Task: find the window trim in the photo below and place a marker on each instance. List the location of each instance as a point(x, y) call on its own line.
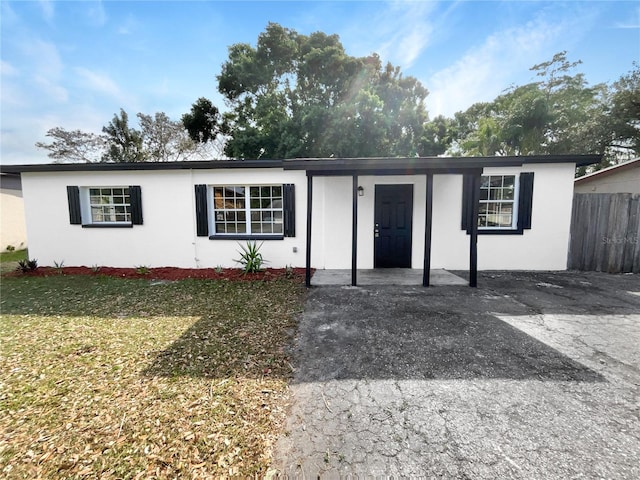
point(85, 208)
point(214, 235)
point(513, 228)
point(524, 200)
point(79, 203)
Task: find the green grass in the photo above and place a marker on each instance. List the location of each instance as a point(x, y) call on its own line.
point(14, 256)
point(118, 378)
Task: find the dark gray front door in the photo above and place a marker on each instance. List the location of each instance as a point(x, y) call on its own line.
point(393, 215)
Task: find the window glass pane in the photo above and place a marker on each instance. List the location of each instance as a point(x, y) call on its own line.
point(496, 201)
point(264, 209)
point(507, 193)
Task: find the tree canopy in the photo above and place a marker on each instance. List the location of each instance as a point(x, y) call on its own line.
point(295, 95)
point(300, 96)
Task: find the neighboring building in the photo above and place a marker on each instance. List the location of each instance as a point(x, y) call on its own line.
point(364, 213)
point(13, 230)
point(621, 178)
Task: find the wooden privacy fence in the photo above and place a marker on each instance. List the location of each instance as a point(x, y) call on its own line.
point(605, 233)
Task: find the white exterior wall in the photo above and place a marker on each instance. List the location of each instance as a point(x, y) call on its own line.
point(168, 235)
point(13, 230)
point(544, 247)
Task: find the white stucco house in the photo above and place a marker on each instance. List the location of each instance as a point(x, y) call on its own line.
point(463, 213)
point(13, 229)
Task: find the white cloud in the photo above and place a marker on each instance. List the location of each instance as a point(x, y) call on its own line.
point(128, 27)
point(487, 69)
point(97, 14)
point(99, 82)
point(399, 32)
point(8, 70)
point(48, 10)
point(51, 89)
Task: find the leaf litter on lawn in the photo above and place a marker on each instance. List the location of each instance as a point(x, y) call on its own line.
point(119, 378)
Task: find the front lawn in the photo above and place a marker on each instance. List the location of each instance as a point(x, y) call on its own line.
point(137, 378)
point(9, 260)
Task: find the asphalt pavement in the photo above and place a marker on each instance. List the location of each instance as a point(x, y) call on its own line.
point(530, 376)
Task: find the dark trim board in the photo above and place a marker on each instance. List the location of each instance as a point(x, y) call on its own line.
point(322, 166)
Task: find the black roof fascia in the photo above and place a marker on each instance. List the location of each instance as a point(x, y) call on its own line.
point(112, 167)
point(391, 171)
point(321, 166)
point(411, 165)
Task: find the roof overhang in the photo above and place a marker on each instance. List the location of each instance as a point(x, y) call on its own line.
point(323, 166)
point(620, 167)
point(116, 167)
point(421, 165)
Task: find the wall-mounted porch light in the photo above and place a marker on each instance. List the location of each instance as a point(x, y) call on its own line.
point(360, 191)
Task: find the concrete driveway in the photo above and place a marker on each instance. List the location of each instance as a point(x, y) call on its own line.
point(532, 376)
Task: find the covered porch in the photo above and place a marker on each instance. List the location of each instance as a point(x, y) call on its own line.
point(386, 276)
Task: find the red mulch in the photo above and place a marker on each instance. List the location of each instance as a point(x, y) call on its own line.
point(169, 273)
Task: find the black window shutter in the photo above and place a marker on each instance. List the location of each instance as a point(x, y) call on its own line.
point(289, 209)
point(202, 221)
point(135, 195)
point(467, 195)
point(75, 215)
point(525, 201)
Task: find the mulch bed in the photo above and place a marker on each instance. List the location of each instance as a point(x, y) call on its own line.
point(169, 273)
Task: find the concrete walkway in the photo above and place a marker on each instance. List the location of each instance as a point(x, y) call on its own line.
point(385, 276)
point(530, 376)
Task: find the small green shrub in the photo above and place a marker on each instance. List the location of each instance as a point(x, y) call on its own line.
point(143, 270)
point(288, 270)
point(27, 265)
point(250, 257)
point(218, 269)
point(58, 266)
point(10, 248)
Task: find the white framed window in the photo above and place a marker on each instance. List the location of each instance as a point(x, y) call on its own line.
point(247, 210)
point(498, 202)
point(106, 205)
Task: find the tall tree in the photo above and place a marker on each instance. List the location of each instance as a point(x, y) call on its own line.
point(74, 145)
point(302, 96)
point(124, 143)
point(624, 114)
point(163, 139)
point(203, 121)
point(560, 113)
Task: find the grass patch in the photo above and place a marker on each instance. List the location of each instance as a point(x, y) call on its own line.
point(9, 260)
point(126, 378)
